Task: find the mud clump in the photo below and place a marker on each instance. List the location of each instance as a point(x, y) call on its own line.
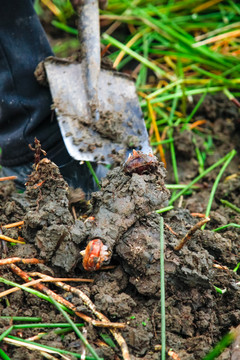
point(121, 202)
point(48, 223)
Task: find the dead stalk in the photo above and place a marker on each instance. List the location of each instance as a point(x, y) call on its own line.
point(14, 260)
point(170, 229)
point(28, 346)
point(61, 279)
point(7, 238)
point(31, 283)
point(8, 178)
point(74, 212)
point(8, 226)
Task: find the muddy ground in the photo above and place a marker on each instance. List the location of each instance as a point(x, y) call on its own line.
point(124, 219)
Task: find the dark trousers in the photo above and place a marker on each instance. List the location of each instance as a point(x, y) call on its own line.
point(24, 104)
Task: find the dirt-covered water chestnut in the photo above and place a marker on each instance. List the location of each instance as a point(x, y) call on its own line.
point(94, 255)
point(140, 163)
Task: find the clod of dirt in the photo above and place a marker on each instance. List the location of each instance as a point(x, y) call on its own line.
point(110, 126)
point(48, 223)
point(122, 201)
point(6, 189)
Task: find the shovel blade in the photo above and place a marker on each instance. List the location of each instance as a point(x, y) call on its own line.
point(120, 126)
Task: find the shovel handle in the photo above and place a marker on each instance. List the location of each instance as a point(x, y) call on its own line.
point(89, 34)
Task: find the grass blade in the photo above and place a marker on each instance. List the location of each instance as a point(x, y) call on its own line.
point(167, 208)
point(89, 165)
point(75, 328)
point(162, 280)
point(215, 185)
point(20, 318)
point(226, 226)
point(205, 172)
point(230, 205)
point(159, 72)
point(46, 347)
point(3, 355)
point(223, 344)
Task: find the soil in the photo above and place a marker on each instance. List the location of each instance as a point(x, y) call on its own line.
point(123, 216)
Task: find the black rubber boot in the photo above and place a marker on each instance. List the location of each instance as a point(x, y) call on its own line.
point(25, 106)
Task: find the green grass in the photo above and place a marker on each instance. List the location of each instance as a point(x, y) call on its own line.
point(230, 205)
point(226, 226)
point(221, 346)
point(229, 158)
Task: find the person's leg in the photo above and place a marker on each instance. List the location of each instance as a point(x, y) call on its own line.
point(25, 105)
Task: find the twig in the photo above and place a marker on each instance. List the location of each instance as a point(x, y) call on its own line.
point(190, 233)
point(38, 151)
point(198, 215)
point(7, 238)
point(62, 279)
point(170, 229)
point(197, 123)
point(8, 178)
point(31, 283)
point(8, 226)
point(14, 260)
point(74, 212)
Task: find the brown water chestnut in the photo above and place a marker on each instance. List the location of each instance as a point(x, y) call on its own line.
point(140, 163)
point(94, 255)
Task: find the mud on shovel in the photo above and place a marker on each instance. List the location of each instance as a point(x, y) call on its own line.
point(97, 109)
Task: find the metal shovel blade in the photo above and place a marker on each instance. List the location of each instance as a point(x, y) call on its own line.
point(120, 125)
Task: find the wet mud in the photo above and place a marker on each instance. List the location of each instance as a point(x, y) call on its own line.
point(122, 214)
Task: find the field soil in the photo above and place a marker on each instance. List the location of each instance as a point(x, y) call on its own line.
point(122, 214)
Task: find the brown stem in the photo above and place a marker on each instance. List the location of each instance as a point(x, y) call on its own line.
point(14, 260)
point(8, 178)
point(190, 233)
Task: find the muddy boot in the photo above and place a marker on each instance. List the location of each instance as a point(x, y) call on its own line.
point(25, 107)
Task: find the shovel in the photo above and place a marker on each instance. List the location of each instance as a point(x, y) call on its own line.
point(97, 109)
